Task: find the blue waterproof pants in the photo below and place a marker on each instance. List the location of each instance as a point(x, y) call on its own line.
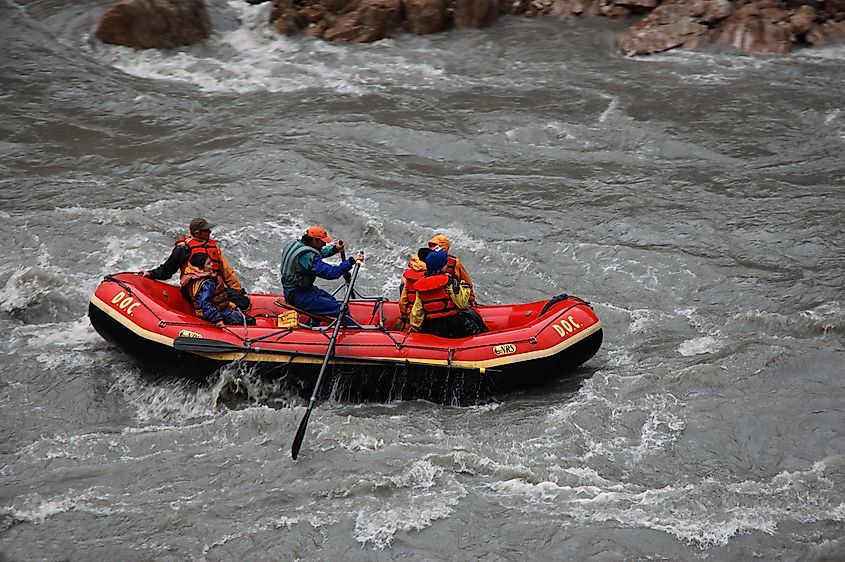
point(318, 301)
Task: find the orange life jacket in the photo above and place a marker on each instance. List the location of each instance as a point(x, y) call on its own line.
point(410, 277)
point(191, 283)
point(451, 261)
point(435, 300)
point(198, 246)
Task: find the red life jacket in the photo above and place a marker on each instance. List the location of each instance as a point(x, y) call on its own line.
point(451, 261)
point(411, 276)
point(435, 300)
point(198, 246)
point(191, 283)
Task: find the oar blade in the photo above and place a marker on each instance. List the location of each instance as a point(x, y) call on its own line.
point(300, 435)
point(203, 345)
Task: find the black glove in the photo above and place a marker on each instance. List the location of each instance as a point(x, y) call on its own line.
point(456, 285)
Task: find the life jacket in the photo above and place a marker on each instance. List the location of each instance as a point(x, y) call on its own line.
point(451, 262)
point(193, 280)
point(410, 278)
point(436, 301)
point(292, 273)
point(197, 246)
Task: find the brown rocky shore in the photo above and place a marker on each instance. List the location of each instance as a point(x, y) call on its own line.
point(754, 26)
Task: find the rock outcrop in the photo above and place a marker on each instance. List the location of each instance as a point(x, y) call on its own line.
point(675, 23)
point(762, 27)
point(359, 21)
point(426, 16)
point(154, 24)
point(754, 26)
point(353, 21)
point(475, 13)
point(759, 26)
point(826, 32)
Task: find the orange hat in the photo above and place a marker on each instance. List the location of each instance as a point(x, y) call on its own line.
point(439, 240)
point(318, 232)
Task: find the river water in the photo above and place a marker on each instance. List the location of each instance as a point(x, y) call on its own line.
point(695, 198)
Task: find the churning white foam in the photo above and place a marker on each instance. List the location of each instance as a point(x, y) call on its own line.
point(821, 319)
point(255, 58)
point(698, 346)
point(168, 400)
point(36, 508)
point(703, 513)
point(708, 342)
point(822, 54)
point(430, 495)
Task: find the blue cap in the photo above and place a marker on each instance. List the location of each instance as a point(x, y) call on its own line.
point(435, 261)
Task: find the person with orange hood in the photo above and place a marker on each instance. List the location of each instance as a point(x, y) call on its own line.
point(442, 305)
point(407, 293)
point(454, 267)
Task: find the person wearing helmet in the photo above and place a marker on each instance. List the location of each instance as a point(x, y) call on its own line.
point(199, 241)
point(442, 304)
point(302, 263)
point(454, 266)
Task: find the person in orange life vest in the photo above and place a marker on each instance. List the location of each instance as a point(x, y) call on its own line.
point(199, 241)
point(407, 293)
point(453, 265)
point(442, 306)
point(204, 287)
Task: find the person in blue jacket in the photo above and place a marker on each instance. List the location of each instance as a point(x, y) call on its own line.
point(207, 291)
point(302, 264)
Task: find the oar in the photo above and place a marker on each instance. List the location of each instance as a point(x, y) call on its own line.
point(347, 276)
point(203, 345)
point(206, 345)
point(300, 433)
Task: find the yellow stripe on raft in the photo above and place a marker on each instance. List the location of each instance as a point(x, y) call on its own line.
point(281, 357)
point(127, 323)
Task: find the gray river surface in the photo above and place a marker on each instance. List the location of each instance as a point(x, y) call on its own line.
point(697, 199)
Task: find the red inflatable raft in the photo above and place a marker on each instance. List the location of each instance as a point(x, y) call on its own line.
point(527, 345)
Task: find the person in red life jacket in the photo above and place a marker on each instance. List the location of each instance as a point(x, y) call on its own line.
point(204, 287)
point(199, 241)
point(407, 293)
point(442, 305)
point(454, 267)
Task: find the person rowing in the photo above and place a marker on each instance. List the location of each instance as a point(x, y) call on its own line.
point(303, 262)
